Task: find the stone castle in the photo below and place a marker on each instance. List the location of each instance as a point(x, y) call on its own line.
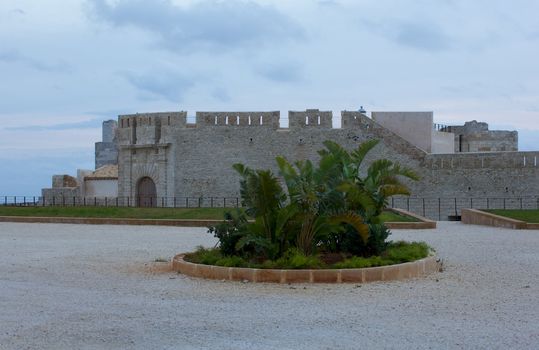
point(158, 159)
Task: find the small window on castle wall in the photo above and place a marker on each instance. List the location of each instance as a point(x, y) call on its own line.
point(215, 120)
point(469, 188)
point(226, 120)
point(307, 120)
point(249, 120)
point(318, 120)
point(261, 120)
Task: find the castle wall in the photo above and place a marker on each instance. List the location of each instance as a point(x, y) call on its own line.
point(106, 151)
point(147, 143)
point(187, 160)
point(415, 127)
point(101, 188)
point(442, 142)
point(475, 136)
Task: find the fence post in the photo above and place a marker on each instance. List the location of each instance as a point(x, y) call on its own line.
point(503, 203)
point(34, 201)
point(237, 202)
point(488, 204)
point(439, 209)
point(116, 201)
point(456, 212)
point(423, 206)
point(520, 203)
point(5, 200)
point(199, 201)
point(392, 202)
point(471, 203)
point(63, 201)
point(95, 201)
point(24, 200)
point(128, 201)
point(224, 202)
point(174, 202)
point(187, 202)
point(408, 203)
point(211, 201)
point(162, 202)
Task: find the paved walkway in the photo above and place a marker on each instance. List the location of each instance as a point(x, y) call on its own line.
point(98, 287)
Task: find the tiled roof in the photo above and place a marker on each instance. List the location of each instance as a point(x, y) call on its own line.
point(105, 172)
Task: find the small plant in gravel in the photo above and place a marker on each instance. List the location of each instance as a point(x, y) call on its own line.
point(333, 209)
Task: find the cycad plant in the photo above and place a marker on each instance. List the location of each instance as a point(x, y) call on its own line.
point(334, 206)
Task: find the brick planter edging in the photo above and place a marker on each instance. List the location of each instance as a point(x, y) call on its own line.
point(413, 269)
point(479, 217)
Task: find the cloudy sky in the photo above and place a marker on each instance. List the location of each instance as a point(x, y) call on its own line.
point(66, 66)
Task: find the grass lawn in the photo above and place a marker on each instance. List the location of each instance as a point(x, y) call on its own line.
point(144, 213)
point(389, 216)
point(117, 212)
point(531, 216)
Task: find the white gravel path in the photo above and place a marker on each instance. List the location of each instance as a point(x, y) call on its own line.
point(98, 287)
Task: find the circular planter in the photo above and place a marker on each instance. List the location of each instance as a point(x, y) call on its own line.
point(413, 269)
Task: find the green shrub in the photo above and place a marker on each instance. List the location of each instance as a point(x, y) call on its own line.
point(351, 242)
point(204, 256)
point(400, 252)
point(396, 253)
point(232, 261)
point(229, 231)
point(294, 259)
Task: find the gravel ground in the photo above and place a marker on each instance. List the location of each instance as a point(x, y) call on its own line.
point(99, 287)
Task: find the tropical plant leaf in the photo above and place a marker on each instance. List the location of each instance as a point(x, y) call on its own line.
point(355, 220)
point(363, 149)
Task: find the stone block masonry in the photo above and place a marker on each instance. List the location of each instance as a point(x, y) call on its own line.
point(196, 159)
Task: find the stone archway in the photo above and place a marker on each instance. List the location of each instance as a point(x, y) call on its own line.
point(146, 193)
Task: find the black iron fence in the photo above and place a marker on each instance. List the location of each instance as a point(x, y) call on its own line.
point(143, 201)
point(446, 208)
point(438, 208)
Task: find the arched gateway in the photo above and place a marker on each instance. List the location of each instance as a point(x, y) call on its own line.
point(146, 193)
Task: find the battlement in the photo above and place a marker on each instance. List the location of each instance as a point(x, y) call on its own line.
point(310, 118)
point(152, 119)
point(240, 119)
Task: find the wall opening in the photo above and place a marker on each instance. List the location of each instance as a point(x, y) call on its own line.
point(146, 194)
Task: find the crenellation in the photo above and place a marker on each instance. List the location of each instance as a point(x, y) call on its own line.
point(195, 160)
point(242, 119)
point(310, 118)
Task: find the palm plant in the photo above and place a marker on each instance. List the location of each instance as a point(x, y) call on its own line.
point(318, 201)
point(336, 204)
point(265, 201)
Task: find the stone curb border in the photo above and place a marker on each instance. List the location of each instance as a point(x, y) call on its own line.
point(168, 222)
point(479, 217)
point(423, 224)
point(414, 269)
point(108, 221)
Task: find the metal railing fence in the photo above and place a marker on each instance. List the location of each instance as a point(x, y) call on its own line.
point(436, 208)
